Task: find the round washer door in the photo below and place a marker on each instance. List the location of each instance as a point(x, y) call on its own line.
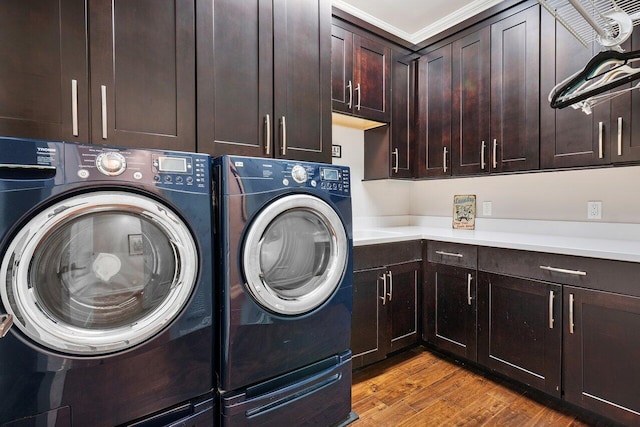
point(98, 272)
point(295, 254)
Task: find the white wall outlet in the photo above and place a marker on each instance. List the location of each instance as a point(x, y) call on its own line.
point(594, 210)
point(487, 208)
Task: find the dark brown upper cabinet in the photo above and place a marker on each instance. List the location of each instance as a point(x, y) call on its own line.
point(569, 137)
point(402, 112)
point(361, 75)
point(479, 100)
point(108, 72)
point(264, 78)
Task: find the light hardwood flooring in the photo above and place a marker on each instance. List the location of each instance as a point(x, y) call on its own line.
point(421, 388)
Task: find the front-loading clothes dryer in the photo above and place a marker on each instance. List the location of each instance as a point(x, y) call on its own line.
point(105, 284)
point(284, 246)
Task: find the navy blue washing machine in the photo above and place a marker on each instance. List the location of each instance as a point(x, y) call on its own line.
point(285, 251)
point(106, 286)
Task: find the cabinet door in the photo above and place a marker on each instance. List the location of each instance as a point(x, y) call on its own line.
point(625, 118)
point(369, 342)
point(434, 113)
point(302, 79)
point(235, 77)
point(515, 92)
point(601, 353)
point(143, 73)
point(519, 329)
point(402, 73)
point(402, 302)
point(568, 137)
point(341, 69)
point(43, 45)
point(449, 316)
point(470, 117)
point(372, 79)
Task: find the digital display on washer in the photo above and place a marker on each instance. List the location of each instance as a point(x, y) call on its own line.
point(330, 175)
point(172, 164)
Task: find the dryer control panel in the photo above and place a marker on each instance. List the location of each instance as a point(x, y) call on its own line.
point(259, 174)
point(171, 170)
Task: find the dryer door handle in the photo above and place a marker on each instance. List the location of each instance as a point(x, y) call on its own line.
point(6, 322)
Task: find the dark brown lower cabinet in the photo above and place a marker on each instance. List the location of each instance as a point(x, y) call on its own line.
point(520, 329)
point(402, 304)
point(450, 309)
point(601, 353)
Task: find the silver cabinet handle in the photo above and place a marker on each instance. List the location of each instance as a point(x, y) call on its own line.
point(551, 320)
point(384, 288)
point(495, 153)
point(359, 96)
point(563, 270)
point(619, 136)
point(390, 294)
point(469, 298)
point(483, 163)
point(395, 154)
point(6, 322)
point(449, 254)
point(267, 135)
point(444, 159)
point(283, 125)
point(600, 139)
point(103, 97)
point(350, 87)
point(571, 323)
point(74, 107)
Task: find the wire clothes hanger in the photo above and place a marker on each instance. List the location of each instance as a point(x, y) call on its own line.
point(606, 71)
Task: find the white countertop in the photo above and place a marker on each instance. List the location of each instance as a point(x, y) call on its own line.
point(596, 240)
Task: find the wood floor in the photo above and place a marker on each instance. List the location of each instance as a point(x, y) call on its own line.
point(421, 388)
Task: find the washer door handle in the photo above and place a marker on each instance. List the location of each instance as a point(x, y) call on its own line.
point(6, 322)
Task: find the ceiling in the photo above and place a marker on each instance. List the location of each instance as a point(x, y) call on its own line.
point(414, 20)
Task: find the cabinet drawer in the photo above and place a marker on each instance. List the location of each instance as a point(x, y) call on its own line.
point(371, 256)
point(452, 254)
point(605, 275)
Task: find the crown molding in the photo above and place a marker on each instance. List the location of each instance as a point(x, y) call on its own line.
point(466, 12)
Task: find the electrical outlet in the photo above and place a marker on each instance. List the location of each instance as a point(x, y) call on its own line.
point(594, 210)
point(486, 208)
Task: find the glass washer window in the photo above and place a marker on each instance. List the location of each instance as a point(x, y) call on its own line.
point(295, 254)
point(98, 272)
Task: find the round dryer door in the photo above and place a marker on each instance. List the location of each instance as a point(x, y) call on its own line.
point(295, 254)
point(98, 272)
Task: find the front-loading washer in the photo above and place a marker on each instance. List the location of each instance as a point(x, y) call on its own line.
point(105, 285)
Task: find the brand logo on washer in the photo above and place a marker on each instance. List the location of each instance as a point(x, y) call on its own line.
point(238, 164)
point(46, 150)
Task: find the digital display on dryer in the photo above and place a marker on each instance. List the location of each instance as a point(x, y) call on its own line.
point(330, 175)
point(172, 164)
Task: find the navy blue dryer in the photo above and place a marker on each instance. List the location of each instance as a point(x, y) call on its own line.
point(284, 239)
point(105, 285)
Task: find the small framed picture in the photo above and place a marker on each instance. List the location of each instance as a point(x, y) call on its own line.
point(464, 212)
point(336, 151)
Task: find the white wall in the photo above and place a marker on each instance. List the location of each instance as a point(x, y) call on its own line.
point(369, 198)
point(559, 195)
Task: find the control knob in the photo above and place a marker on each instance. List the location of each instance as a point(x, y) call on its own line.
point(299, 174)
point(111, 163)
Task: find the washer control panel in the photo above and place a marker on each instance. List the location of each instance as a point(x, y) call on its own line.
point(166, 169)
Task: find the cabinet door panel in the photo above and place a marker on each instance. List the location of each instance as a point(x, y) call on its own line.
point(341, 69)
point(515, 91)
point(516, 335)
point(434, 112)
point(372, 71)
point(43, 47)
point(368, 318)
point(143, 61)
point(403, 283)
point(449, 317)
point(302, 79)
point(471, 118)
point(601, 353)
point(568, 136)
point(235, 90)
point(402, 113)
